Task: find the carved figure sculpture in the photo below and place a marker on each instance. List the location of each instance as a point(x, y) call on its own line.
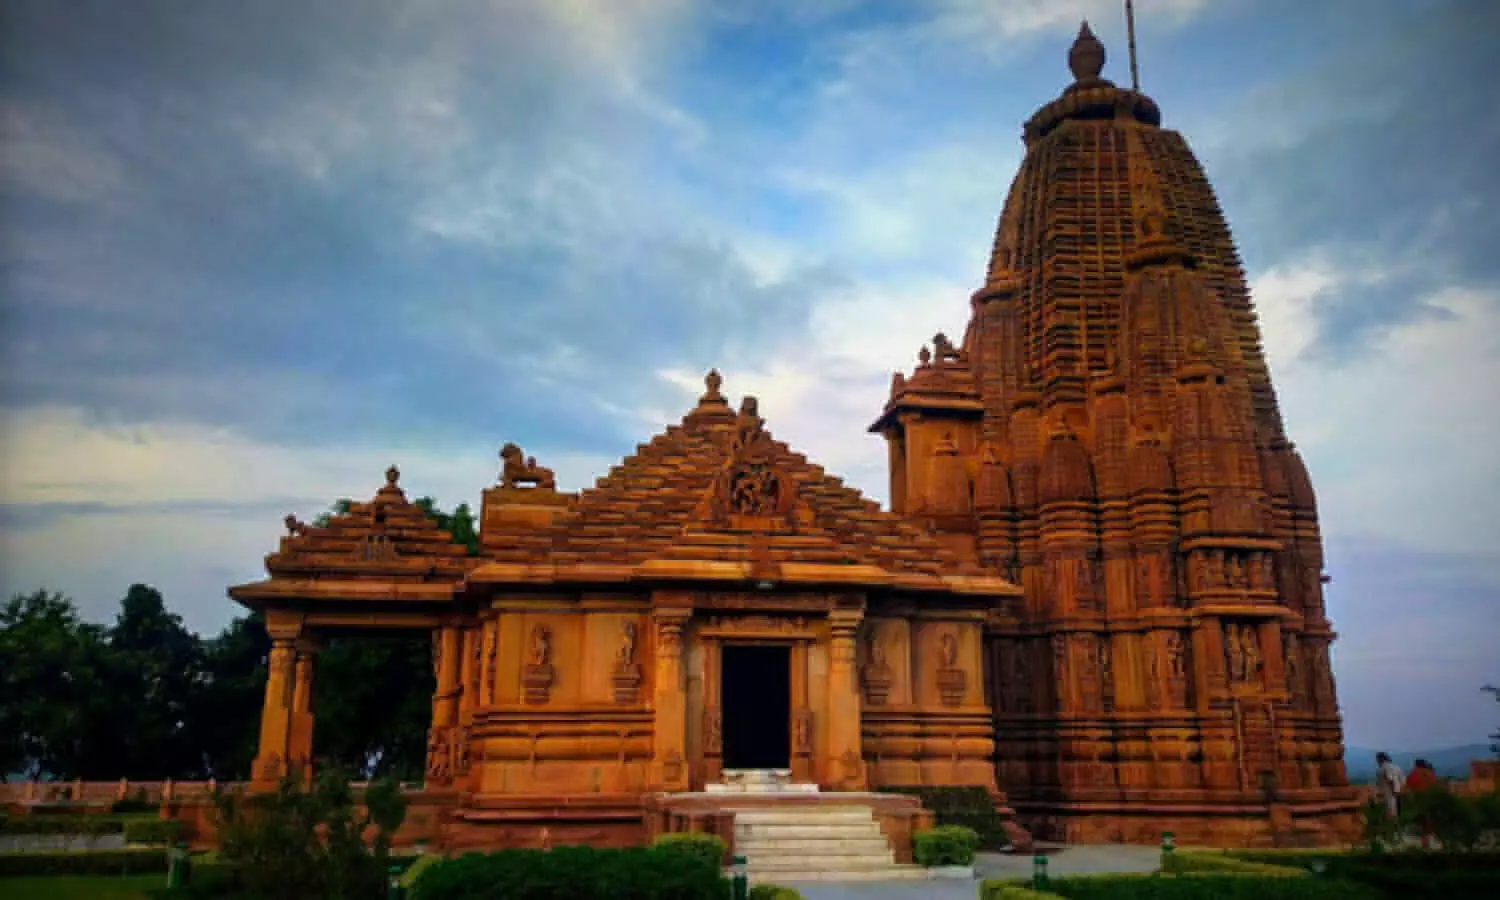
point(626, 656)
point(950, 651)
point(518, 469)
point(541, 645)
point(943, 348)
point(294, 526)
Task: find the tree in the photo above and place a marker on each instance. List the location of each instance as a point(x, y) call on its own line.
point(155, 667)
point(57, 703)
point(225, 721)
point(460, 524)
point(374, 701)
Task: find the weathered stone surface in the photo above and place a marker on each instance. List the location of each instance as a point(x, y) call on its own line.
point(1129, 467)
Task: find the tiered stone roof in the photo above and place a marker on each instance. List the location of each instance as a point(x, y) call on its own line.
point(669, 512)
point(388, 548)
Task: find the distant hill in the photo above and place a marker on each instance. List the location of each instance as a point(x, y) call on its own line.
point(1450, 762)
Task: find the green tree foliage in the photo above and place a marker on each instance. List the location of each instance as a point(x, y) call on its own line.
point(56, 709)
point(144, 698)
point(158, 665)
point(374, 701)
point(310, 843)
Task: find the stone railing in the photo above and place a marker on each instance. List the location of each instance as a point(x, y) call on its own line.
point(106, 793)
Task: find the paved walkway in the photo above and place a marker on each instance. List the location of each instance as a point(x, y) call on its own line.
point(1080, 859)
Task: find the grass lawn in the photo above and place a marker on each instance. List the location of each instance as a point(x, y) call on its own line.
point(81, 887)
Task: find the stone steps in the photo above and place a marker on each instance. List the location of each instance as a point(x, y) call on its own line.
point(815, 843)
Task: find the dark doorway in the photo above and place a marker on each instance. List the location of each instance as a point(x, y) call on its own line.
point(756, 705)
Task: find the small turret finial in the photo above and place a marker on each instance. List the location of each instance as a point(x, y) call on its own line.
point(392, 475)
point(713, 381)
point(1086, 57)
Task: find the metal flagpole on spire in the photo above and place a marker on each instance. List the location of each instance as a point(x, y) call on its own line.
point(1135, 73)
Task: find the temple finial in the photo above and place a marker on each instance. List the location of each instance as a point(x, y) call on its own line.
point(1086, 57)
point(392, 475)
point(712, 381)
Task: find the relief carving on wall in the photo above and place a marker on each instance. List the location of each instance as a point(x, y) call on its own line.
point(627, 672)
point(1088, 673)
point(713, 731)
point(1292, 653)
point(1242, 653)
point(752, 486)
point(802, 732)
point(1106, 674)
point(538, 674)
point(487, 668)
point(952, 681)
point(877, 672)
point(1177, 670)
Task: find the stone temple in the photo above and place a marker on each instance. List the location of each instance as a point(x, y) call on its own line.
point(1097, 592)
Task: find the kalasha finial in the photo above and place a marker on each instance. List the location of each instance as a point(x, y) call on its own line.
point(713, 381)
point(1086, 58)
point(924, 356)
point(392, 475)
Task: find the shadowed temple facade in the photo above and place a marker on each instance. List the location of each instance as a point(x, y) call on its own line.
point(1097, 593)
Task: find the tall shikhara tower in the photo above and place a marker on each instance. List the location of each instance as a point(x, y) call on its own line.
point(1107, 436)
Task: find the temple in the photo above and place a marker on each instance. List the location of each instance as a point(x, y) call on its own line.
point(1097, 593)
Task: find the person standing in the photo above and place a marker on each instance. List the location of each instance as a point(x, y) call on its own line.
point(1389, 781)
point(1422, 778)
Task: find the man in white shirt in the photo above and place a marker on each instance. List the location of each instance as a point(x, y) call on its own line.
point(1388, 782)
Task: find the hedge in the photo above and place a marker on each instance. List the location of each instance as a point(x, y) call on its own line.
point(1207, 886)
point(69, 824)
point(1011, 890)
point(633, 873)
point(967, 806)
point(708, 847)
point(154, 831)
point(774, 892)
point(1180, 862)
point(945, 845)
point(86, 862)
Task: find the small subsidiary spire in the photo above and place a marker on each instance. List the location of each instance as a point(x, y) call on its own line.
point(1135, 72)
point(1086, 57)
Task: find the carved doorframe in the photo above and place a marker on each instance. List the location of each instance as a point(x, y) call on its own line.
point(797, 633)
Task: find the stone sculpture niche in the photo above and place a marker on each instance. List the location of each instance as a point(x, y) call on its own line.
point(538, 674)
point(627, 673)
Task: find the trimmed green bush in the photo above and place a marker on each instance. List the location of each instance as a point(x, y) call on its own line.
point(1205, 886)
point(154, 831)
point(968, 806)
point(418, 866)
point(774, 892)
point(68, 824)
point(1011, 890)
point(945, 845)
point(1183, 862)
point(708, 847)
point(135, 804)
point(634, 873)
point(83, 862)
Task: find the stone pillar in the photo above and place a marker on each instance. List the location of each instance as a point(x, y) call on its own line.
point(846, 770)
point(276, 710)
point(300, 745)
point(468, 677)
point(669, 751)
point(446, 666)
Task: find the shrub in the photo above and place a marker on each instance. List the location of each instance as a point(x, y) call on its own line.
point(1011, 890)
point(634, 873)
point(83, 862)
point(310, 843)
point(708, 847)
point(135, 804)
point(418, 866)
point(154, 831)
point(1209, 887)
point(774, 892)
point(72, 825)
point(1180, 862)
point(968, 806)
point(945, 845)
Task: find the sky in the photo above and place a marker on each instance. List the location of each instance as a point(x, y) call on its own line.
point(253, 253)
